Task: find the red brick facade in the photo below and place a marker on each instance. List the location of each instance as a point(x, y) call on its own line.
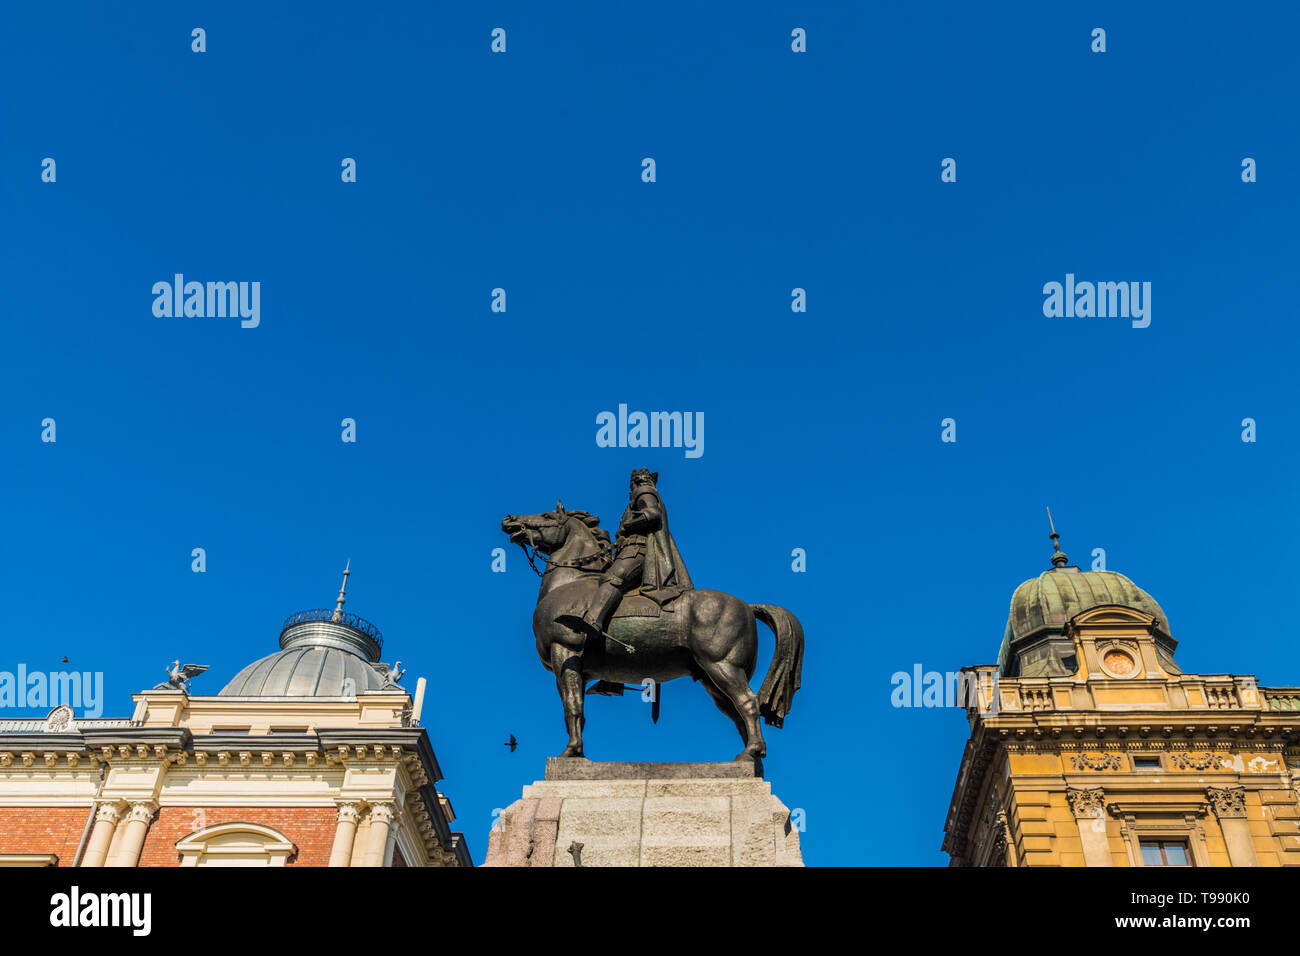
point(43, 830)
point(310, 828)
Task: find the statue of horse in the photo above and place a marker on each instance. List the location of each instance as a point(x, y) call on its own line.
point(707, 635)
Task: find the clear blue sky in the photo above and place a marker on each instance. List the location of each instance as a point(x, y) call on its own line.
point(522, 171)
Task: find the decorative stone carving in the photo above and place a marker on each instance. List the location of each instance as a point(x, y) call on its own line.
point(108, 813)
point(143, 811)
point(1202, 761)
point(1096, 761)
point(382, 812)
point(1086, 802)
point(1221, 697)
point(1002, 841)
point(59, 720)
point(1229, 803)
point(349, 812)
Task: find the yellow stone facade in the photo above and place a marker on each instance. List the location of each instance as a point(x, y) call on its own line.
point(1126, 761)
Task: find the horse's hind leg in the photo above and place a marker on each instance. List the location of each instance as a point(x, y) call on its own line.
point(567, 665)
point(731, 681)
point(725, 705)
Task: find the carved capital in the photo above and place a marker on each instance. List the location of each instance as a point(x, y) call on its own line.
point(1229, 803)
point(382, 812)
point(108, 813)
point(349, 812)
point(143, 811)
point(1086, 803)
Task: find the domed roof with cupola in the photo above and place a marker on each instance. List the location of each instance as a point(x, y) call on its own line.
point(323, 653)
point(1034, 643)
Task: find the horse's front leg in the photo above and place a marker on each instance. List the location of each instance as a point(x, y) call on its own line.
point(567, 665)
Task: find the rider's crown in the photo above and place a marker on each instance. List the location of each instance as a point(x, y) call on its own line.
point(645, 476)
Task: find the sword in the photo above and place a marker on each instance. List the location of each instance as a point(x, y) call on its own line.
point(573, 621)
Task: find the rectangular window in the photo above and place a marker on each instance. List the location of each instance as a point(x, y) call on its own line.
point(1146, 763)
point(1164, 853)
point(234, 731)
point(288, 730)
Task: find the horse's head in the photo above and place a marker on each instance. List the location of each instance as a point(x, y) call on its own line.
point(548, 531)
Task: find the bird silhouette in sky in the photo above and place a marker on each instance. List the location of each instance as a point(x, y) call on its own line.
point(65, 661)
point(511, 743)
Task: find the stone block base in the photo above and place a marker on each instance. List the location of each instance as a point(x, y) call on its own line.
point(645, 814)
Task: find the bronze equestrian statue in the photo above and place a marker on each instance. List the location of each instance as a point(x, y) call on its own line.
point(626, 612)
point(645, 556)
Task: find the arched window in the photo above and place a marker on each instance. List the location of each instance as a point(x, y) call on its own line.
point(236, 844)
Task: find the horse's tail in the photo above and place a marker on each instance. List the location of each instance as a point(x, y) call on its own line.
point(782, 680)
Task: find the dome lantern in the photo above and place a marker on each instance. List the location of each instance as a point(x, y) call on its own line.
point(324, 652)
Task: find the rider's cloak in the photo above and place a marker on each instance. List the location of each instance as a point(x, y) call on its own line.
point(664, 575)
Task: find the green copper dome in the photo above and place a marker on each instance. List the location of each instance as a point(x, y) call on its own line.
point(1042, 606)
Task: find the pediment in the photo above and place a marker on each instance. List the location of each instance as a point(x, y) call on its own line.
point(1113, 614)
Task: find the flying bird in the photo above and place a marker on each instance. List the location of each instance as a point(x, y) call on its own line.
point(511, 743)
point(65, 661)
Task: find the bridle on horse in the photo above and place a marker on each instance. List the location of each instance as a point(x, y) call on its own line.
point(552, 564)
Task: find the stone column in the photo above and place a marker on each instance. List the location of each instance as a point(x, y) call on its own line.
point(106, 817)
point(381, 816)
point(137, 825)
point(344, 832)
point(1088, 804)
point(1229, 804)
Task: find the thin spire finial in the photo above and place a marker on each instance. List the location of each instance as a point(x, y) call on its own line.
point(1059, 557)
point(338, 607)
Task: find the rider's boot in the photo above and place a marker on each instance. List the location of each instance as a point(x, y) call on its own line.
point(602, 605)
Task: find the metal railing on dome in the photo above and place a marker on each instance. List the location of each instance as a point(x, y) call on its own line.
point(327, 615)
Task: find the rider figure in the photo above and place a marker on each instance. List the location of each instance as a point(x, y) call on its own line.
point(646, 557)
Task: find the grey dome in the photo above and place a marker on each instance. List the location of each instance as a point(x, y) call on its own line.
point(323, 654)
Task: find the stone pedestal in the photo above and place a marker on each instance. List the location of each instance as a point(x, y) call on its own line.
point(645, 814)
